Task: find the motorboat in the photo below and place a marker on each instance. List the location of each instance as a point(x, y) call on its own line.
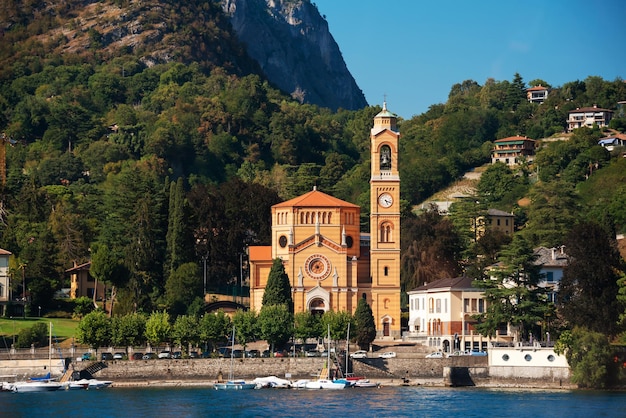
point(35, 386)
point(93, 383)
point(324, 384)
point(365, 383)
point(272, 382)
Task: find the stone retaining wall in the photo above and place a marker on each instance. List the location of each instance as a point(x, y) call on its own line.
point(297, 368)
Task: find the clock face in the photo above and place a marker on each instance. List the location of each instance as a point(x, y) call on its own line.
point(317, 267)
point(385, 200)
point(282, 241)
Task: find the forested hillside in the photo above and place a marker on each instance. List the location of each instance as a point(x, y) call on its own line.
point(147, 157)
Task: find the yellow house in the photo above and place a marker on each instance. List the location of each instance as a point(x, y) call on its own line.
point(329, 261)
point(82, 283)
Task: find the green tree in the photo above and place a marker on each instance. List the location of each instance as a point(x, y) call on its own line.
point(107, 267)
point(36, 335)
point(185, 331)
point(94, 330)
point(158, 328)
point(306, 325)
point(278, 289)
point(82, 306)
point(179, 238)
point(182, 287)
point(589, 287)
point(214, 328)
point(554, 208)
point(246, 326)
point(365, 325)
point(589, 356)
point(512, 294)
point(276, 325)
point(129, 330)
point(337, 323)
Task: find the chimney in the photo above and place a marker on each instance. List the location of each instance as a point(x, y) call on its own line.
point(553, 253)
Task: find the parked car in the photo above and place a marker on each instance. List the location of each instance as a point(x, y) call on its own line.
point(238, 353)
point(387, 354)
point(456, 354)
point(86, 357)
point(118, 356)
point(280, 354)
point(165, 354)
point(265, 354)
point(253, 354)
point(137, 356)
point(106, 356)
point(177, 354)
point(312, 353)
point(436, 354)
point(478, 353)
point(149, 356)
point(194, 354)
point(359, 354)
point(224, 351)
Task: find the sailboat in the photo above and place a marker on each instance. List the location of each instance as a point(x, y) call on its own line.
point(323, 381)
point(39, 384)
point(349, 379)
point(231, 383)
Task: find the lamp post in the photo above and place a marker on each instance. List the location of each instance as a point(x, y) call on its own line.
point(23, 267)
point(241, 278)
point(204, 259)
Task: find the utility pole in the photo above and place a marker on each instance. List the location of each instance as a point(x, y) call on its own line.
point(204, 259)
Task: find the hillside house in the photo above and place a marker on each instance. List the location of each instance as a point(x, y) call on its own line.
point(552, 262)
point(612, 142)
point(5, 280)
point(537, 94)
point(441, 316)
point(509, 150)
point(588, 116)
point(82, 283)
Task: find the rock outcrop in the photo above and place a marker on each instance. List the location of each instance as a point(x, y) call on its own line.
point(292, 44)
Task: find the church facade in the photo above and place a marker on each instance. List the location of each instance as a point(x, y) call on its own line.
point(330, 262)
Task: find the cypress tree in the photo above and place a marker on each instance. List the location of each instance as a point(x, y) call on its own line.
point(278, 288)
point(365, 325)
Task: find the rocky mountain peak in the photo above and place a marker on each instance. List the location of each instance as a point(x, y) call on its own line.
point(291, 42)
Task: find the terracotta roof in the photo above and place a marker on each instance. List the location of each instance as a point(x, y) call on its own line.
point(260, 253)
point(514, 138)
point(316, 199)
point(84, 266)
point(590, 109)
point(537, 88)
point(457, 283)
point(5, 252)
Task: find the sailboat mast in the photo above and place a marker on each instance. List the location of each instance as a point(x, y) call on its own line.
point(347, 358)
point(50, 347)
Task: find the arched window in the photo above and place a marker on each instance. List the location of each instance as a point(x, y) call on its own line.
point(386, 230)
point(385, 157)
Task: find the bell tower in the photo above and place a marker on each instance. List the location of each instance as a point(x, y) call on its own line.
point(385, 225)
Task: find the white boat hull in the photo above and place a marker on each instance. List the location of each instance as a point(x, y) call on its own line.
point(324, 384)
point(272, 382)
point(35, 386)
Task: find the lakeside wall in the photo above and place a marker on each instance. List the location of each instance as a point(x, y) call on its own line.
point(455, 371)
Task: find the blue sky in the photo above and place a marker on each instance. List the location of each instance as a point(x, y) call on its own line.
point(413, 51)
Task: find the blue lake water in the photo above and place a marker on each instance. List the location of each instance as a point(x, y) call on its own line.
point(357, 402)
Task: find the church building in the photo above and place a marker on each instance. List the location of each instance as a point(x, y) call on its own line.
point(330, 262)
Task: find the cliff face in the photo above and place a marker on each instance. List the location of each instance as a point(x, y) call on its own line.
point(291, 42)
